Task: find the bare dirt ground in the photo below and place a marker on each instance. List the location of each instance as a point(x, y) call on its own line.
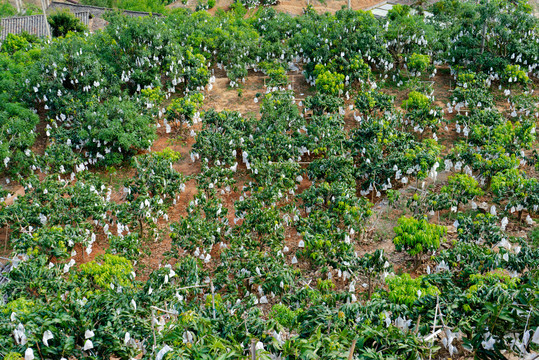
point(221, 97)
point(379, 232)
point(293, 7)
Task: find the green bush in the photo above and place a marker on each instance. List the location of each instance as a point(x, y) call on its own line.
point(155, 6)
point(323, 103)
point(284, 315)
point(13, 356)
point(183, 109)
point(417, 237)
point(402, 289)
point(277, 77)
point(479, 228)
point(418, 63)
point(461, 188)
point(118, 123)
point(6, 9)
point(373, 100)
point(17, 124)
point(20, 306)
point(109, 269)
point(62, 22)
point(14, 43)
point(534, 236)
point(515, 74)
point(127, 246)
point(60, 158)
point(416, 101)
point(328, 82)
point(53, 241)
point(514, 188)
point(497, 277)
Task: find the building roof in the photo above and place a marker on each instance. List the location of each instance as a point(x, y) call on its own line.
point(381, 10)
point(33, 24)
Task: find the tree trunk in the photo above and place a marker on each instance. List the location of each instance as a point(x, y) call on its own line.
point(417, 261)
point(370, 287)
point(352, 348)
point(484, 34)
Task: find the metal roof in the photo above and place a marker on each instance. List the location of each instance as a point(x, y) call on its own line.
point(33, 24)
point(381, 9)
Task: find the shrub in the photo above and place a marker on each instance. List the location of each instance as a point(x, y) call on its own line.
point(323, 103)
point(462, 188)
point(355, 68)
point(254, 3)
point(284, 315)
point(109, 269)
point(17, 136)
point(418, 63)
point(534, 236)
point(277, 77)
point(416, 100)
point(373, 100)
point(14, 43)
point(421, 111)
point(21, 306)
point(55, 241)
point(60, 158)
point(417, 237)
point(402, 289)
point(127, 246)
point(62, 22)
point(119, 124)
point(13, 356)
point(6, 9)
point(491, 279)
point(514, 74)
point(516, 189)
point(324, 286)
point(155, 176)
point(482, 228)
point(358, 69)
point(184, 109)
point(328, 82)
point(372, 266)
